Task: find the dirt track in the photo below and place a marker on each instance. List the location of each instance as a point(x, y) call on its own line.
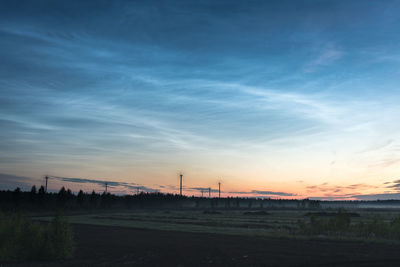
point(115, 246)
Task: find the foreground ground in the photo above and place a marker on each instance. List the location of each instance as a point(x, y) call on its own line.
point(219, 238)
point(267, 223)
point(115, 246)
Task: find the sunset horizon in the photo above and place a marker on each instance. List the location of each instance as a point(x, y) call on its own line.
point(275, 99)
point(200, 133)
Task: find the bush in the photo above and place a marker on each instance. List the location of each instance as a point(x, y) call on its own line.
point(379, 228)
point(337, 224)
point(62, 238)
point(23, 239)
point(395, 227)
point(341, 224)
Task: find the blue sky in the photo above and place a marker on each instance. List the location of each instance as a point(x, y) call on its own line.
point(293, 97)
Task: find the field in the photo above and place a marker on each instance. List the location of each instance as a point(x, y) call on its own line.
point(223, 238)
point(271, 223)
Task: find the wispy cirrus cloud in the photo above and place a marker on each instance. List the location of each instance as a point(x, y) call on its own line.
point(382, 196)
point(9, 181)
point(262, 193)
point(325, 57)
point(97, 102)
point(111, 184)
point(393, 185)
point(334, 189)
point(385, 163)
point(354, 191)
point(203, 189)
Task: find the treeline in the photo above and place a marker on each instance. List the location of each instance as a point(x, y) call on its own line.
point(39, 199)
point(34, 199)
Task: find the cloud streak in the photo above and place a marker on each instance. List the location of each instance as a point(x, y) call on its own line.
point(262, 193)
point(111, 184)
point(326, 188)
point(8, 181)
point(219, 96)
point(327, 56)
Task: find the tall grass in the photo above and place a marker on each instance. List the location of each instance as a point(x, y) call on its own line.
point(341, 224)
point(23, 239)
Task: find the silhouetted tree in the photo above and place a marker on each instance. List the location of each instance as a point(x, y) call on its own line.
point(65, 199)
point(80, 197)
point(32, 194)
point(33, 190)
point(93, 197)
point(249, 205)
point(69, 195)
point(62, 196)
point(17, 195)
point(42, 191)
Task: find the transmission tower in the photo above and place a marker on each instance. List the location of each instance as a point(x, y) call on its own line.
point(47, 178)
point(180, 186)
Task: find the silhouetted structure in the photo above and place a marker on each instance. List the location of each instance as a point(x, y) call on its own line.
point(46, 178)
point(180, 187)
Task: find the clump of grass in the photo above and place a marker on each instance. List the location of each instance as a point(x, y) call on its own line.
point(23, 239)
point(337, 224)
point(211, 212)
point(340, 224)
point(255, 213)
point(377, 227)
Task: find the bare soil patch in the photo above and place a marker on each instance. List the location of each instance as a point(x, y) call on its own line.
point(119, 246)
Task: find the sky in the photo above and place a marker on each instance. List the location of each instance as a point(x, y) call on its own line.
point(280, 99)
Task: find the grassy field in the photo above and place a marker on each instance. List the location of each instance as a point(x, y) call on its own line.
point(234, 238)
point(272, 223)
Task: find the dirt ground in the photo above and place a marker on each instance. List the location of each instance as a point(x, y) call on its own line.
point(116, 246)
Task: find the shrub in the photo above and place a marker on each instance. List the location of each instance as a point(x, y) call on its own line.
point(340, 224)
point(23, 239)
point(375, 228)
point(395, 227)
point(379, 228)
point(62, 237)
point(337, 224)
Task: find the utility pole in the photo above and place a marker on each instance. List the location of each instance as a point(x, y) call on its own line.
point(47, 178)
point(219, 190)
point(180, 187)
point(209, 192)
point(106, 187)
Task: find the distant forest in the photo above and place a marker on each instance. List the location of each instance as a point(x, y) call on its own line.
point(39, 199)
point(65, 199)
